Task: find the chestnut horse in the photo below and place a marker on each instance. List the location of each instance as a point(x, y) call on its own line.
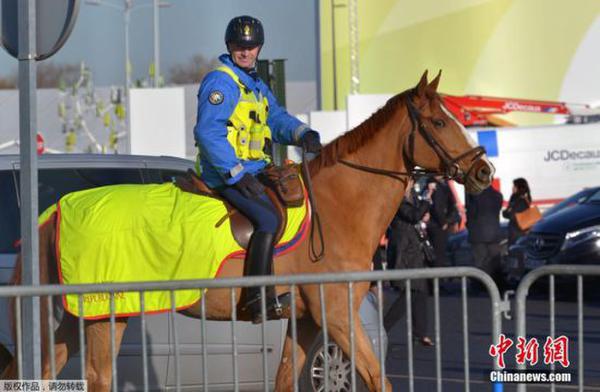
point(359, 180)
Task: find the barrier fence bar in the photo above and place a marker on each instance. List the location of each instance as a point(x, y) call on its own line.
point(465, 319)
point(438, 340)
point(176, 342)
point(409, 341)
point(294, 338)
point(234, 351)
point(292, 281)
point(81, 326)
point(352, 336)
point(521, 304)
point(380, 334)
point(144, 340)
point(113, 349)
point(51, 335)
point(552, 301)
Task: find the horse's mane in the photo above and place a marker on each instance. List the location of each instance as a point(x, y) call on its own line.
point(354, 139)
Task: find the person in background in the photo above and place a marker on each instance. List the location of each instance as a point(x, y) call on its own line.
point(238, 120)
point(483, 224)
point(519, 201)
point(410, 255)
point(444, 217)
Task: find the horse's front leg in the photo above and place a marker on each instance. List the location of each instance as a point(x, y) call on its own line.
point(306, 333)
point(98, 352)
point(338, 328)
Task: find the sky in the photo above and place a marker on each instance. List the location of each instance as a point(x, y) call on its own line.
point(187, 28)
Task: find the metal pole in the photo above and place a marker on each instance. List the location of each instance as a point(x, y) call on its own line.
point(317, 6)
point(29, 187)
point(126, 14)
point(335, 107)
point(354, 44)
point(156, 45)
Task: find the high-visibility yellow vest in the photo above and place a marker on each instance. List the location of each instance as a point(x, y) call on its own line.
point(247, 128)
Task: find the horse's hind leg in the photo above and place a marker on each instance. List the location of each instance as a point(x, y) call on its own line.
point(98, 352)
point(66, 344)
point(307, 331)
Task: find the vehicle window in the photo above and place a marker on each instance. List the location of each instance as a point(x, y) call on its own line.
point(53, 184)
point(9, 213)
point(577, 198)
point(158, 176)
point(594, 198)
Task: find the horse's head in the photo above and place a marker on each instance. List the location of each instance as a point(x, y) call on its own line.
point(439, 143)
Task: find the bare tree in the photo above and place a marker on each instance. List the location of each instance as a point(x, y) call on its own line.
point(8, 83)
point(49, 75)
point(192, 71)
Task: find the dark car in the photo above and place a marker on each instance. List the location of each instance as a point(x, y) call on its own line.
point(521, 257)
point(568, 236)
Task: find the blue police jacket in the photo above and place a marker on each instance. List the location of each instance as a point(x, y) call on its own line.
point(217, 98)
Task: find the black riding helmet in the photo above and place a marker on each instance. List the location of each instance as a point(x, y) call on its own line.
point(245, 31)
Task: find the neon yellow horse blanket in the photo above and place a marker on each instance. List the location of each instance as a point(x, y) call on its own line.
point(136, 233)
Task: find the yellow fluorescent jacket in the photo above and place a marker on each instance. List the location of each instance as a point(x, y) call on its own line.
point(247, 128)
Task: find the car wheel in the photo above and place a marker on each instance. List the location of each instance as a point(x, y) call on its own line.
point(340, 376)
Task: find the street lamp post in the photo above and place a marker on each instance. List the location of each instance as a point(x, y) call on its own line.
point(155, 7)
point(333, 50)
point(126, 9)
point(126, 19)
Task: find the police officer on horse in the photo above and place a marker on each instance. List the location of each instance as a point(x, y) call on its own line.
point(238, 119)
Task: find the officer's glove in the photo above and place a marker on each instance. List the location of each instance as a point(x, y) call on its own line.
point(311, 142)
point(249, 186)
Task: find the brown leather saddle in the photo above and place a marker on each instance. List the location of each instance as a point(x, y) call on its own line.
point(241, 227)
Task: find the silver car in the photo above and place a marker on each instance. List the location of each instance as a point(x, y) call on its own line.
point(60, 174)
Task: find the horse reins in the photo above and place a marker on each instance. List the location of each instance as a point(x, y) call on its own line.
point(315, 219)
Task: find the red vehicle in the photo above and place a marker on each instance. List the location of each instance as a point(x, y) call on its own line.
point(475, 110)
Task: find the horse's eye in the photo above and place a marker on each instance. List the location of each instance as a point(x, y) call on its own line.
point(439, 123)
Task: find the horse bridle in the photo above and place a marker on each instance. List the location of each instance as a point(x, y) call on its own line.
point(451, 169)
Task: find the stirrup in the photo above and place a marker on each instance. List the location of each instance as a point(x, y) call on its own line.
point(275, 307)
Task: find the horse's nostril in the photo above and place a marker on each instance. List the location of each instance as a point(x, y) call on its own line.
point(484, 173)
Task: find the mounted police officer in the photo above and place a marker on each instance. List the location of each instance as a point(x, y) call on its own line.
point(238, 118)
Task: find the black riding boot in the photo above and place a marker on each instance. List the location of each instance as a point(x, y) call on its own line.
point(259, 261)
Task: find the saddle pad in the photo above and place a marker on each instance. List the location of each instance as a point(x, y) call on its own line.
point(134, 233)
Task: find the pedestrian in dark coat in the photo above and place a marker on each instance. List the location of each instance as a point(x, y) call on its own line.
point(519, 201)
point(483, 224)
point(444, 215)
point(410, 255)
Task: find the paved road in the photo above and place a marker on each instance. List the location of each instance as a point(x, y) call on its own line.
point(479, 315)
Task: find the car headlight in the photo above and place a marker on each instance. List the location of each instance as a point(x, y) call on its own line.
point(578, 236)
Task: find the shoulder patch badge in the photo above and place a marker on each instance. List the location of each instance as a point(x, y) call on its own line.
point(216, 97)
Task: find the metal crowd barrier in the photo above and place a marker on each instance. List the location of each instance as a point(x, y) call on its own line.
point(521, 301)
point(463, 273)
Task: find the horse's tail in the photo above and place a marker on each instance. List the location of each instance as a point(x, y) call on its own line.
point(46, 256)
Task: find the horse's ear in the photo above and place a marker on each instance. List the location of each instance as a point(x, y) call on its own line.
point(433, 86)
point(420, 89)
